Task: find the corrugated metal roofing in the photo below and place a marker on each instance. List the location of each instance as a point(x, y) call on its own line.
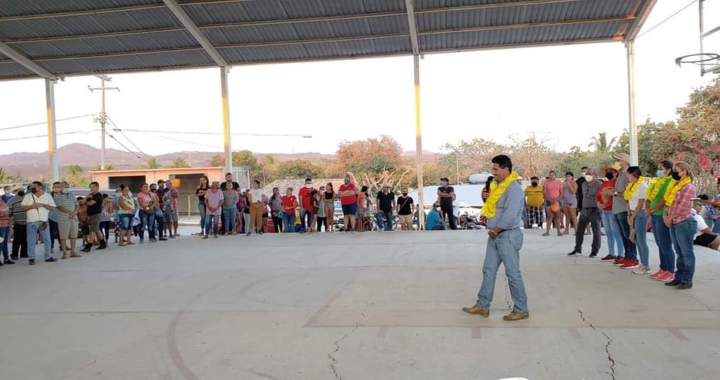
point(91, 36)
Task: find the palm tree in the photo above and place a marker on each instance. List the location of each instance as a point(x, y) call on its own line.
point(152, 163)
point(180, 163)
point(75, 170)
point(600, 143)
point(6, 177)
point(107, 167)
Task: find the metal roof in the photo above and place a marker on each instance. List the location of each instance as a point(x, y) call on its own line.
point(81, 37)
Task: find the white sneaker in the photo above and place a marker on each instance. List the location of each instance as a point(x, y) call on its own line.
point(642, 270)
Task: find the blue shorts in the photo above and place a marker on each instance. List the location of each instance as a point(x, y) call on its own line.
point(350, 209)
point(126, 221)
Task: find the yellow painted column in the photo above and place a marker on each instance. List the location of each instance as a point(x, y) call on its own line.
point(418, 145)
point(224, 71)
point(51, 130)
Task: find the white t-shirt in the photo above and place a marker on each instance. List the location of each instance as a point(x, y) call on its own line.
point(40, 214)
point(701, 225)
point(639, 195)
point(256, 195)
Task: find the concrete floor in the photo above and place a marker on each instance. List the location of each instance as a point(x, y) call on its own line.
point(340, 306)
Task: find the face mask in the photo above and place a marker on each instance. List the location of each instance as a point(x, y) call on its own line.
point(676, 175)
point(534, 183)
point(405, 194)
point(443, 183)
point(214, 187)
point(33, 190)
point(660, 173)
point(589, 178)
point(609, 176)
point(308, 186)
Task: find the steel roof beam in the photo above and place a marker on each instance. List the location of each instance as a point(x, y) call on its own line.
point(25, 62)
point(412, 26)
point(643, 11)
point(189, 24)
point(346, 39)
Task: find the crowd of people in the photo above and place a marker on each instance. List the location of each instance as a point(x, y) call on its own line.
point(617, 202)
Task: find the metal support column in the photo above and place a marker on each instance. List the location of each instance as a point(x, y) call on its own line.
point(226, 118)
point(418, 145)
point(632, 129)
point(52, 132)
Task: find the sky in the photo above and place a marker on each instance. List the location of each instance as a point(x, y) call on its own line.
point(565, 95)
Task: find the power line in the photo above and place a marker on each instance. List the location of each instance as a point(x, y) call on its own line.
point(127, 138)
point(124, 147)
point(162, 136)
point(219, 133)
point(45, 136)
point(667, 19)
point(45, 122)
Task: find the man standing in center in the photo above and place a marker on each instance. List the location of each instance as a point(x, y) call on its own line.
point(446, 196)
point(590, 214)
point(93, 201)
point(385, 206)
point(503, 209)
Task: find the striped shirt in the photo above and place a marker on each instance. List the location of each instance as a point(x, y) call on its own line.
point(18, 215)
point(67, 201)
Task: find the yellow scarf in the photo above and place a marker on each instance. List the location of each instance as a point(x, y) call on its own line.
point(496, 192)
point(631, 190)
point(673, 189)
point(655, 186)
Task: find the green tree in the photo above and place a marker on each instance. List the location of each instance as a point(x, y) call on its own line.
point(180, 162)
point(6, 177)
point(298, 169)
point(151, 163)
point(75, 176)
point(107, 167)
point(601, 144)
point(217, 160)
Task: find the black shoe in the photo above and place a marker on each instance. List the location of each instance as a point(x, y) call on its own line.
point(51, 260)
point(87, 248)
point(9, 262)
point(684, 286)
point(593, 255)
point(13, 257)
point(102, 245)
point(25, 256)
point(674, 282)
point(163, 239)
point(573, 253)
point(31, 262)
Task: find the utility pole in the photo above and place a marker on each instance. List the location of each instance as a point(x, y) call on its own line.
point(103, 114)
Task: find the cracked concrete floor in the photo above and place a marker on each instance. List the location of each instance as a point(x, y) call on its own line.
point(361, 306)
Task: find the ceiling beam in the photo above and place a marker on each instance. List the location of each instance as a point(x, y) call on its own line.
point(643, 11)
point(412, 26)
point(25, 62)
point(189, 24)
point(342, 39)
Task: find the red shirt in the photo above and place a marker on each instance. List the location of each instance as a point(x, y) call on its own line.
point(288, 203)
point(349, 200)
point(306, 198)
point(605, 206)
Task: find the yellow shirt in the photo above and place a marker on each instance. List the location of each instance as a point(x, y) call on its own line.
point(534, 196)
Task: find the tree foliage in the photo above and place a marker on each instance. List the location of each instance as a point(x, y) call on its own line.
point(152, 163)
point(180, 162)
point(298, 169)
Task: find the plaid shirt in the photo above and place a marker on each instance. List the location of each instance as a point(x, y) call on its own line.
point(681, 208)
point(5, 220)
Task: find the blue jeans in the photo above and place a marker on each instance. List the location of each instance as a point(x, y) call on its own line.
point(682, 235)
point(33, 229)
point(630, 249)
point(613, 233)
point(159, 223)
point(203, 214)
point(289, 222)
point(5, 234)
point(211, 221)
point(230, 219)
point(126, 221)
point(640, 224)
point(385, 220)
point(664, 243)
point(306, 218)
point(504, 249)
point(147, 220)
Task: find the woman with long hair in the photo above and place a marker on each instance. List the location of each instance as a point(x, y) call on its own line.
point(200, 191)
point(257, 201)
point(362, 203)
point(276, 210)
point(127, 207)
point(683, 227)
point(654, 209)
point(329, 204)
point(570, 202)
point(635, 195)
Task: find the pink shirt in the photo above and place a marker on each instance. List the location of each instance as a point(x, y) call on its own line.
point(553, 189)
point(681, 209)
point(214, 200)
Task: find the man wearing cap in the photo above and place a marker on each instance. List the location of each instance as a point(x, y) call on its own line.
point(446, 196)
point(619, 210)
point(385, 206)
